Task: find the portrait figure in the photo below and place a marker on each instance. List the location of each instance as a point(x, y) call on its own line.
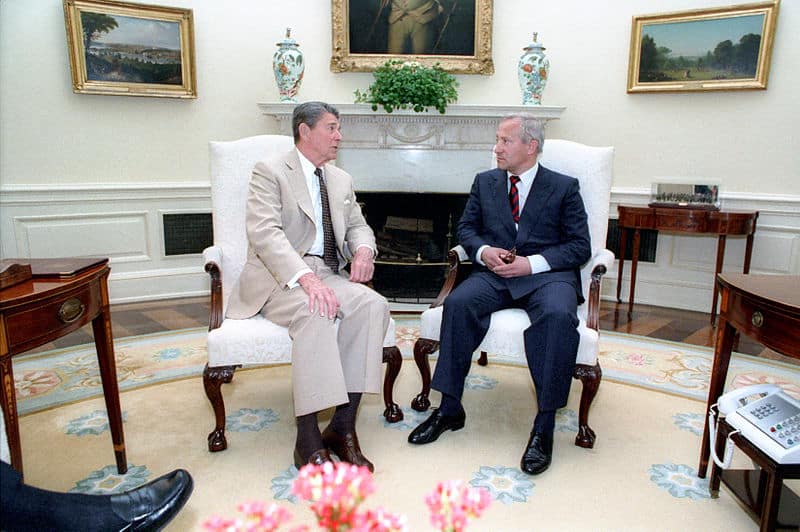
point(412, 27)
point(455, 34)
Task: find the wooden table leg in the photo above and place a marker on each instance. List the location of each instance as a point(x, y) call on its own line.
point(637, 238)
point(748, 253)
point(104, 343)
point(623, 244)
point(772, 496)
point(719, 371)
point(8, 397)
point(717, 268)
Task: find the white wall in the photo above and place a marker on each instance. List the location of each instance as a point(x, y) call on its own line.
point(745, 139)
point(71, 163)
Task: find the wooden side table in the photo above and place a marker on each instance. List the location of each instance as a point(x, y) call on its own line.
point(62, 296)
point(767, 309)
point(761, 490)
point(679, 220)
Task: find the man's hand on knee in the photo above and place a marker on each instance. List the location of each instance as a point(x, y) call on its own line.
point(363, 265)
point(320, 297)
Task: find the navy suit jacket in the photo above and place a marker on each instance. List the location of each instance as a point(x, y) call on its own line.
point(552, 224)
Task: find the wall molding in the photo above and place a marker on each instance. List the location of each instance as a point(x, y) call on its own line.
point(681, 277)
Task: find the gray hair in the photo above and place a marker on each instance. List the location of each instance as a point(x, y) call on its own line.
point(530, 128)
point(309, 113)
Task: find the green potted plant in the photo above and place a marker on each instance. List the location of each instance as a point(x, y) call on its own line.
point(408, 84)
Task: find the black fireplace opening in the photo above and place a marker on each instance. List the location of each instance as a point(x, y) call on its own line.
point(414, 232)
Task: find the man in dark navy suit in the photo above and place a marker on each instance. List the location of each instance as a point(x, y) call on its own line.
point(525, 228)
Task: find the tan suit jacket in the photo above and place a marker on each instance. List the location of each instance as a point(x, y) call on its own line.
point(330, 359)
point(281, 228)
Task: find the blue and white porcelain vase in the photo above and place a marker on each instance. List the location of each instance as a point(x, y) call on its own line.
point(288, 65)
point(533, 70)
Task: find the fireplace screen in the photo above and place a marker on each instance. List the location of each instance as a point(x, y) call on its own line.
point(414, 231)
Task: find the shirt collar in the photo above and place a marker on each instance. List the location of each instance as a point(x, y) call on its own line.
point(527, 176)
point(308, 166)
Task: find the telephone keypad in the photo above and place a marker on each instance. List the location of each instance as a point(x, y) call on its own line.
point(776, 418)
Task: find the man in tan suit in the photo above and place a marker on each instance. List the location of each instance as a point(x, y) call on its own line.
point(293, 276)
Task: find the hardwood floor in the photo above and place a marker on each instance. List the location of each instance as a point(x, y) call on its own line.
point(645, 320)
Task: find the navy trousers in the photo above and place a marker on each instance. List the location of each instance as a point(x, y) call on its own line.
point(551, 342)
point(26, 508)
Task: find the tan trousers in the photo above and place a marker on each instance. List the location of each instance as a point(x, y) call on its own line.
point(332, 357)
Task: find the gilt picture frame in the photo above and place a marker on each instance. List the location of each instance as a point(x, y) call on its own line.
point(722, 48)
point(456, 34)
point(128, 49)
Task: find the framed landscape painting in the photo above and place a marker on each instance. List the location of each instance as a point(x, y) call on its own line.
point(130, 49)
point(456, 34)
point(723, 48)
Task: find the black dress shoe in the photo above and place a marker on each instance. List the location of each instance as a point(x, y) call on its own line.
point(153, 505)
point(318, 457)
point(346, 447)
point(538, 453)
point(429, 430)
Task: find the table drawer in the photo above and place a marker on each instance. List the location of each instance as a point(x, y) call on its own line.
point(53, 316)
point(773, 329)
point(692, 222)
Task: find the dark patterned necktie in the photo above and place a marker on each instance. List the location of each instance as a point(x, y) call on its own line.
point(513, 197)
point(329, 242)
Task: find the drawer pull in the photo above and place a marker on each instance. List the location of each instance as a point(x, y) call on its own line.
point(757, 319)
point(71, 310)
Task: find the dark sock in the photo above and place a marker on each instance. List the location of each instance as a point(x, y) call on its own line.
point(344, 418)
point(450, 406)
point(545, 421)
point(309, 438)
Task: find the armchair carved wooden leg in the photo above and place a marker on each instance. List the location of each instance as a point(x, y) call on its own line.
point(213, 379)
point(393, 359)
point(423, 347)
point(590, 378)
point(483, 360)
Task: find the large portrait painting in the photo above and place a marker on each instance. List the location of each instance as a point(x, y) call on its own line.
point(129, 49)
point(456, 34)
point(707, 49)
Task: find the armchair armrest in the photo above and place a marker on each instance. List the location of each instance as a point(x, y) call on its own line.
point(212, 254)
point(459, 268)
point(603, 257)
point(212, 258)
point(600, 263)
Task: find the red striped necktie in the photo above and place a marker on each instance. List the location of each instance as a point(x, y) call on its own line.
point(513, 197)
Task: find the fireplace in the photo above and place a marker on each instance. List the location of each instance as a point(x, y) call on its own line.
point(412, 173)
point(413, 232)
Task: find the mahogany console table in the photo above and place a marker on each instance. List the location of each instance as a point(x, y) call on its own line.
point(766, 308)
point(683, 220)
point(61, 296)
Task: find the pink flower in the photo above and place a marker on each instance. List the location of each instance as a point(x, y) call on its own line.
point(453, 503)
point(379, 521)
point(258, 518)
point(334, 490)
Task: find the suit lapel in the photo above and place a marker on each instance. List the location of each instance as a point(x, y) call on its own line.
point(540, 193)
point(297, 181)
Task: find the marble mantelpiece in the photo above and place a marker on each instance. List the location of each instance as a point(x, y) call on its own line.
point(404, 151)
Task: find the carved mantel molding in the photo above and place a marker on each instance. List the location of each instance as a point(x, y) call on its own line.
point(404, 151)
point(463, 127)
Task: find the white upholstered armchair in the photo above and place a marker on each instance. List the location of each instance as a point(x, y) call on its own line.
point(253, 341)
point(593, 167)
